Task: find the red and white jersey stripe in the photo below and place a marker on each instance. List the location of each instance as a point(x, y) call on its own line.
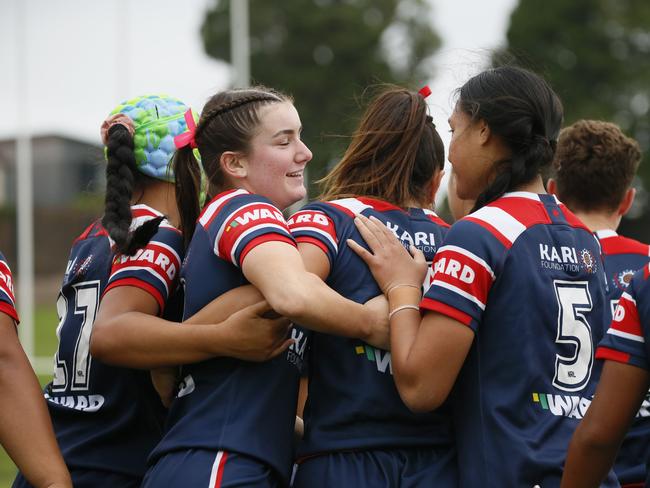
point(7, 299)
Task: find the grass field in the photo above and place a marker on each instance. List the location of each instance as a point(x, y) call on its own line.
point(45, 343)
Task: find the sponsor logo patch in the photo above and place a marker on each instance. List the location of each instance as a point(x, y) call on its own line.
point(380, 357)
point(588, 261)
point(622, 280)
point(571, 406)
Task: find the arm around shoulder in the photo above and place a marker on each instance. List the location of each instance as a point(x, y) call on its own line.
point(277, 270)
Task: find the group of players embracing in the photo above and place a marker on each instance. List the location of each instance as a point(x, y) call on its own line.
point(196, 318)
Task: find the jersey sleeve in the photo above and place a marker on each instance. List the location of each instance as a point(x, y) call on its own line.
point(314, 226)
point(245, 222)
point(463, 273)
point(154, 268)
point(7, 300)
point(625, 340)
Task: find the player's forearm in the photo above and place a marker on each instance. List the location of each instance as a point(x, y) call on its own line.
point(426, 371)
point(586, 466)
point(25, 427)
point(411, 380)
point(225, 305)
point(139, 340)
point(595, 443)
point(307, 300)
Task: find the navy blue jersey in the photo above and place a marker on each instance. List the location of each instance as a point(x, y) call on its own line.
point(7, 300)
point(526, 275)
point(225, 403)
point(105, 417)
point(628, 338)
point(353, 402)
point(623, 257)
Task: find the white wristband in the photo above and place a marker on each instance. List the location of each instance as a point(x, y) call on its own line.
point(403, 307)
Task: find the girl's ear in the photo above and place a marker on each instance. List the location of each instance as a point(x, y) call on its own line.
point(233, 164)
point(483, 131)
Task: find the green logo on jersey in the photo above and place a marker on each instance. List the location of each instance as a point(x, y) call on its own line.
point(378, 356)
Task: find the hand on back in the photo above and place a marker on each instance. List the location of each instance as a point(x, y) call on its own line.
point(390, 263)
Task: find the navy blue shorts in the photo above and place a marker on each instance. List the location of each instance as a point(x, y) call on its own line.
point(90, 478)
point(198, 468)
point(403, 468)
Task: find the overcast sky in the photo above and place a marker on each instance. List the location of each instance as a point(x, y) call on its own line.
point(65, 64)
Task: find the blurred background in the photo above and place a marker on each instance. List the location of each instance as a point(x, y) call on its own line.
point(66, 64)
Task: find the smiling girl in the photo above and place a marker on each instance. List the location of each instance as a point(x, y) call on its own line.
point(232, 422)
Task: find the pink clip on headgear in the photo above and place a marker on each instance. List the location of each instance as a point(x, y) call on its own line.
point(425, 91)
point(187, 138)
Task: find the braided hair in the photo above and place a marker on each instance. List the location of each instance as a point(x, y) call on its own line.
point(122, 177)
point(228, 123)
point(522, 109)
point(139, 143)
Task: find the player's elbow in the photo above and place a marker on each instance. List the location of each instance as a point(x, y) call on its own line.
point(419, 403)
point(290, 300)
point(418, 396)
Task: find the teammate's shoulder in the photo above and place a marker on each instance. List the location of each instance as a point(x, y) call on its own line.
point(142, 213)
point(640, 283)
point(318, 213)
point(227, 202)
point(96, 229)
point(613, 243)
point(349, 206)
point(506, 218)
point(643, 274)
point(352, 206)
point(433, 217)
point(572, 219)
point(315, 206)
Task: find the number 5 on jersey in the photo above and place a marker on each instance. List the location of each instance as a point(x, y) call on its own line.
point(572, 373)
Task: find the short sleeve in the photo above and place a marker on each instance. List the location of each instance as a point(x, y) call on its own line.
point(314, 226)
point(463, 273)
point(246, 221)
point(7, 300)
point(154, 268)
point(625, 340)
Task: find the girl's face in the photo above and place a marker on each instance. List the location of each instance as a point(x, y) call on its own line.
point(470, 158)
point(277, 158)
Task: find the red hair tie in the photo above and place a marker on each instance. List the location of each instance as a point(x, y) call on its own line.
point(425, 91)
point(187, 138)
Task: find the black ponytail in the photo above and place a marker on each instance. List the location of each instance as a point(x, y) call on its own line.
point(521, 168)
point(522, 109)
point(121, 178)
